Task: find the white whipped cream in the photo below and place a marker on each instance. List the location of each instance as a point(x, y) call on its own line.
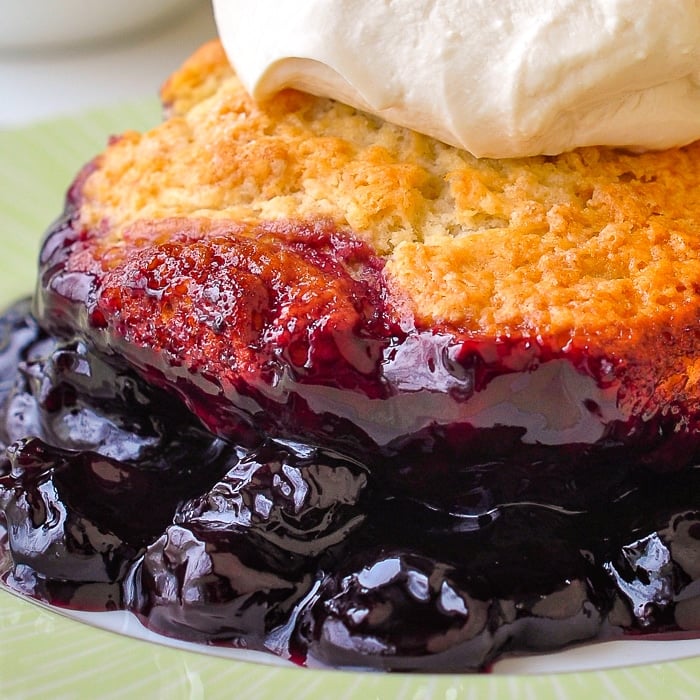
point(500, 79)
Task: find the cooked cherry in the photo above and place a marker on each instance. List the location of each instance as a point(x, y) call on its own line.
point(242, 555)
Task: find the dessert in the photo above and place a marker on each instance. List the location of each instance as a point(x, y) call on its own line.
point(299, 379)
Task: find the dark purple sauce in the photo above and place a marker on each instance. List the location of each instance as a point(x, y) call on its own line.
point(115, 496)
point(239, 439)
point(290, 331)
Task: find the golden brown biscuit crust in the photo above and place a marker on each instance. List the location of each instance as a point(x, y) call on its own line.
point(555, 245)
point(597, 247)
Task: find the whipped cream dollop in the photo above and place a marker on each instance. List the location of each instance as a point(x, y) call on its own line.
point(500, 79)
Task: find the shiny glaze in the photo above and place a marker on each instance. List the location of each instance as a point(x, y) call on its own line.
point(114, 495)
point(236, 434)
point(289, 330)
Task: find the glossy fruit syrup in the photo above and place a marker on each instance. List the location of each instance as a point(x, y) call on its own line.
point(289, 329)
point(115, 496)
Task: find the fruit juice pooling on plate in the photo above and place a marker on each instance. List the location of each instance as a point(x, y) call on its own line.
point(302, 379)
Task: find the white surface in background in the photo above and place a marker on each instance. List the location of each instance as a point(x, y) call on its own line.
point(48, 23)
point(38, 85)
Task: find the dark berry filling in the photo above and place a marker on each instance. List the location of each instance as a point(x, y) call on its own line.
point(115, 496)
point(236, 435)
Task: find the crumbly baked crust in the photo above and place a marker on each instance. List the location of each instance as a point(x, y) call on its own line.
point(588, 241)
point(595, 249)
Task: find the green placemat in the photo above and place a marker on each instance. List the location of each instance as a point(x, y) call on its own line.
point(37, 164)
